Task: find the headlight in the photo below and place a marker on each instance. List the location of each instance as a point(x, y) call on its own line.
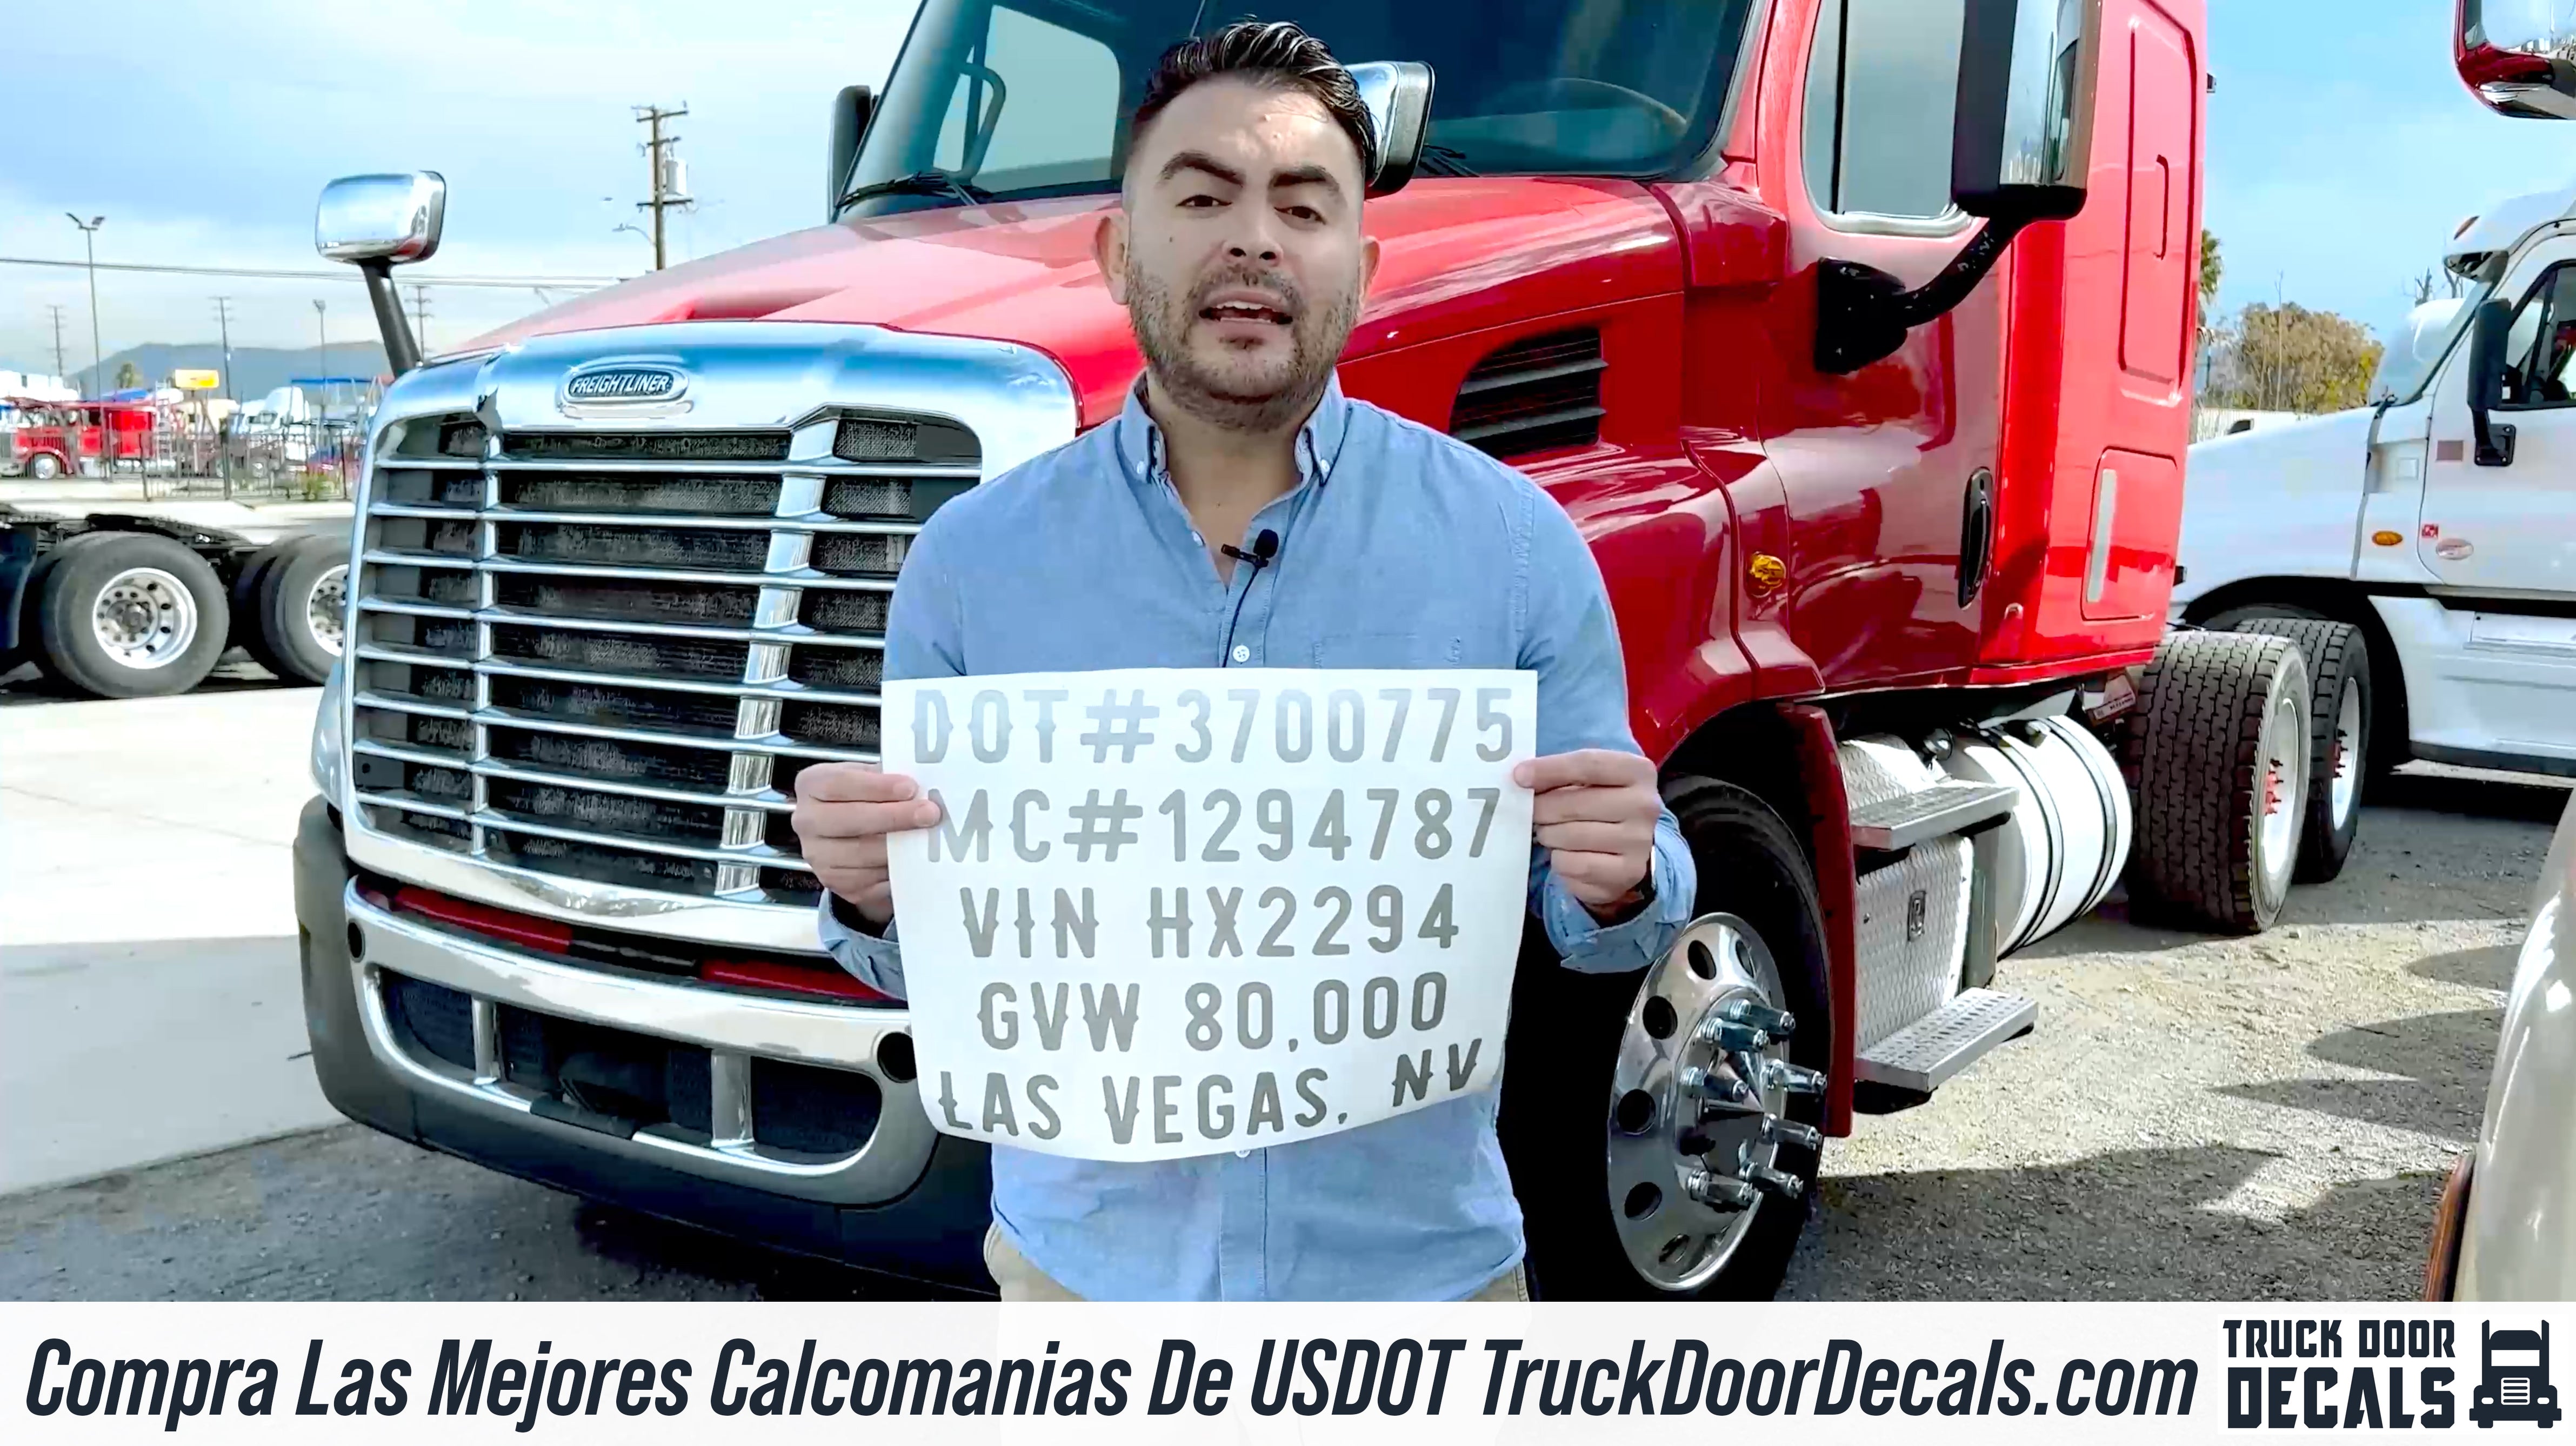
point(330, 756)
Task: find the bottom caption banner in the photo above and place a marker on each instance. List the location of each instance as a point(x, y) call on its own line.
point(1279, 1372)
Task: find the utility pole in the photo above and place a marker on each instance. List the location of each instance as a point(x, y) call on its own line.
point(57, 310)
point(665, 171)
point(321, 357)
point(224, 324)
point(97, 356)
point(420, 314)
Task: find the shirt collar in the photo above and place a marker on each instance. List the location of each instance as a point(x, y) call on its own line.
point(1319, 442)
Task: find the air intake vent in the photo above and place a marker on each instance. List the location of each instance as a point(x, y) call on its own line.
point(1536, 394)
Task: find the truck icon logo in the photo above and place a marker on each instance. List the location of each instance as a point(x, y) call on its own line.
point(2513, 1383)
point(625, 382)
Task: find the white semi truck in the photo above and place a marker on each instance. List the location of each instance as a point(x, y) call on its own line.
point(2440, 520)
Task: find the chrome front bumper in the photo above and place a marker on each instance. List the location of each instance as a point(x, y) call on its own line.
point(733, 1028)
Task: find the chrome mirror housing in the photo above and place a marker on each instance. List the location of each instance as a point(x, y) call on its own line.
point(390, 218)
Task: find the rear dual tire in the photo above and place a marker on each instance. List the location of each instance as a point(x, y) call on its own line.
point(128, 615)
point(288, 602)
point(2339, 704)
point(2216, 755)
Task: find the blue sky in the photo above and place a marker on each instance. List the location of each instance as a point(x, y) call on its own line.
point(2342, 149)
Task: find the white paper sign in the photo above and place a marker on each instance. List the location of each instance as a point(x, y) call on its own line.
point(1176, 912)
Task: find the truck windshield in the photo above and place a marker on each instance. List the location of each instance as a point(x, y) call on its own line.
point(1026, 98)
point(2414, 350)
point(2518, 1360)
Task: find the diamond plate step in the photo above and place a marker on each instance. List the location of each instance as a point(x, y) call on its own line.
point(1936, 812)
point(1925, 1054)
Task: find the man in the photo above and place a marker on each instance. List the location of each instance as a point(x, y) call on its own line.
point(1365, 541)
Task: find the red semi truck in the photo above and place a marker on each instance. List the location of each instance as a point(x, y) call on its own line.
point(1856, 335)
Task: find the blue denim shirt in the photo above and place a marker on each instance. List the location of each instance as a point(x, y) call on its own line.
point(1399, 548)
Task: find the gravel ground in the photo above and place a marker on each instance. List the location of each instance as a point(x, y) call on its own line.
point(2195, 1118)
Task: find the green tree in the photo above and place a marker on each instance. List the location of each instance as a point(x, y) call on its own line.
point(2287, 358)
point(2211, 269)
point(127, 377)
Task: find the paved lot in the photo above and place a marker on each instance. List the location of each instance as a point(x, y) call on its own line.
point(2195, 1117)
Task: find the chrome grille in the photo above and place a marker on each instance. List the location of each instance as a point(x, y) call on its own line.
point(604, 657)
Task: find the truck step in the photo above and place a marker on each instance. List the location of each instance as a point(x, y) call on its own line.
point(1923, 1055)
point(1936, 812)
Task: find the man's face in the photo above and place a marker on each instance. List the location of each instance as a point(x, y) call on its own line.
point(1238, 253)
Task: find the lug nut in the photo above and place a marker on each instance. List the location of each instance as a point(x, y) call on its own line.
point(1731, 1036)
point(1778, 1182)
point(1797, 1079)
point(1712, 1082)
point(1719, 1192)
point(1789, 1132)
point(1777, 1023)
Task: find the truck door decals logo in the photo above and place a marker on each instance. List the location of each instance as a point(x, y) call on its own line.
point(2513, 1377)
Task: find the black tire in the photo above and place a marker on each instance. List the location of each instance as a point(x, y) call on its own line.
point(1566, 1032)
point(2217, 746)
point(2338, 660)
point(243, 596)
point(68, 640)
point(44, 466)
point(289, 645)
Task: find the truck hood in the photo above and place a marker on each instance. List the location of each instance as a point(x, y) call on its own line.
point(1458, 254)
point(2276, 502)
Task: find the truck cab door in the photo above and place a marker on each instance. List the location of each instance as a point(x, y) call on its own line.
point(2490, 654)
point(2511, 529)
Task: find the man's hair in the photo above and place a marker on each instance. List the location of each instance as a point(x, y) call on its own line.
point(1271, 53)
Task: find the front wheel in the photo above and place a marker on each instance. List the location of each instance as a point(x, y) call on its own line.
point(44, 466)
point(1660, 1127)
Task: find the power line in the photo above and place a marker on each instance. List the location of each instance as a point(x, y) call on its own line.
point(512, 283)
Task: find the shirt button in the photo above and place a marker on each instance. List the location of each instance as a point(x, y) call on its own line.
point(1201, 541)
point(1242, 654)
point(1243, 1154)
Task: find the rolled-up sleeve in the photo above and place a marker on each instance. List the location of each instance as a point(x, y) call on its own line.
point(1570, 639)
point(925, 638)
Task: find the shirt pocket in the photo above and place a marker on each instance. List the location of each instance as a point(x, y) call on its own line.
point(1388, 649)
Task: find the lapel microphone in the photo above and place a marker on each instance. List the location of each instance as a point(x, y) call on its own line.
point(1264, 548)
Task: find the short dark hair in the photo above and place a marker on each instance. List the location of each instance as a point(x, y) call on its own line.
point(1274, 53)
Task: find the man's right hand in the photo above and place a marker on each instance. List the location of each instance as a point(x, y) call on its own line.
point(843, 813)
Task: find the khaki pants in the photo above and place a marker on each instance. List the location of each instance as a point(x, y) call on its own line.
point(1020, 1280)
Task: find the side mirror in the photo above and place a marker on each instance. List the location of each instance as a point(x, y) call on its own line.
point(380, 222)
point(2486, 383)
point(2023, 136)
point(851, 110)
point(1398, 96)
point(394, 219)
point(2519, 57)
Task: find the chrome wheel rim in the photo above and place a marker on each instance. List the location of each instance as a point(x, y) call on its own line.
point(2284, 785)
point(324, 605)
point(2343, 760)
point(144, 618)
point(1665, 1158)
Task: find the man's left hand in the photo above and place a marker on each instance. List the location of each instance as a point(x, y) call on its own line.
point(1595, 812)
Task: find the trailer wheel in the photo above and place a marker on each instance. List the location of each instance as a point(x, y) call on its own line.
point(44, 466)
point(2339, 703)
point(1627, 1189)
point(130, 615)
point(2216, 755)
point(297, 601)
